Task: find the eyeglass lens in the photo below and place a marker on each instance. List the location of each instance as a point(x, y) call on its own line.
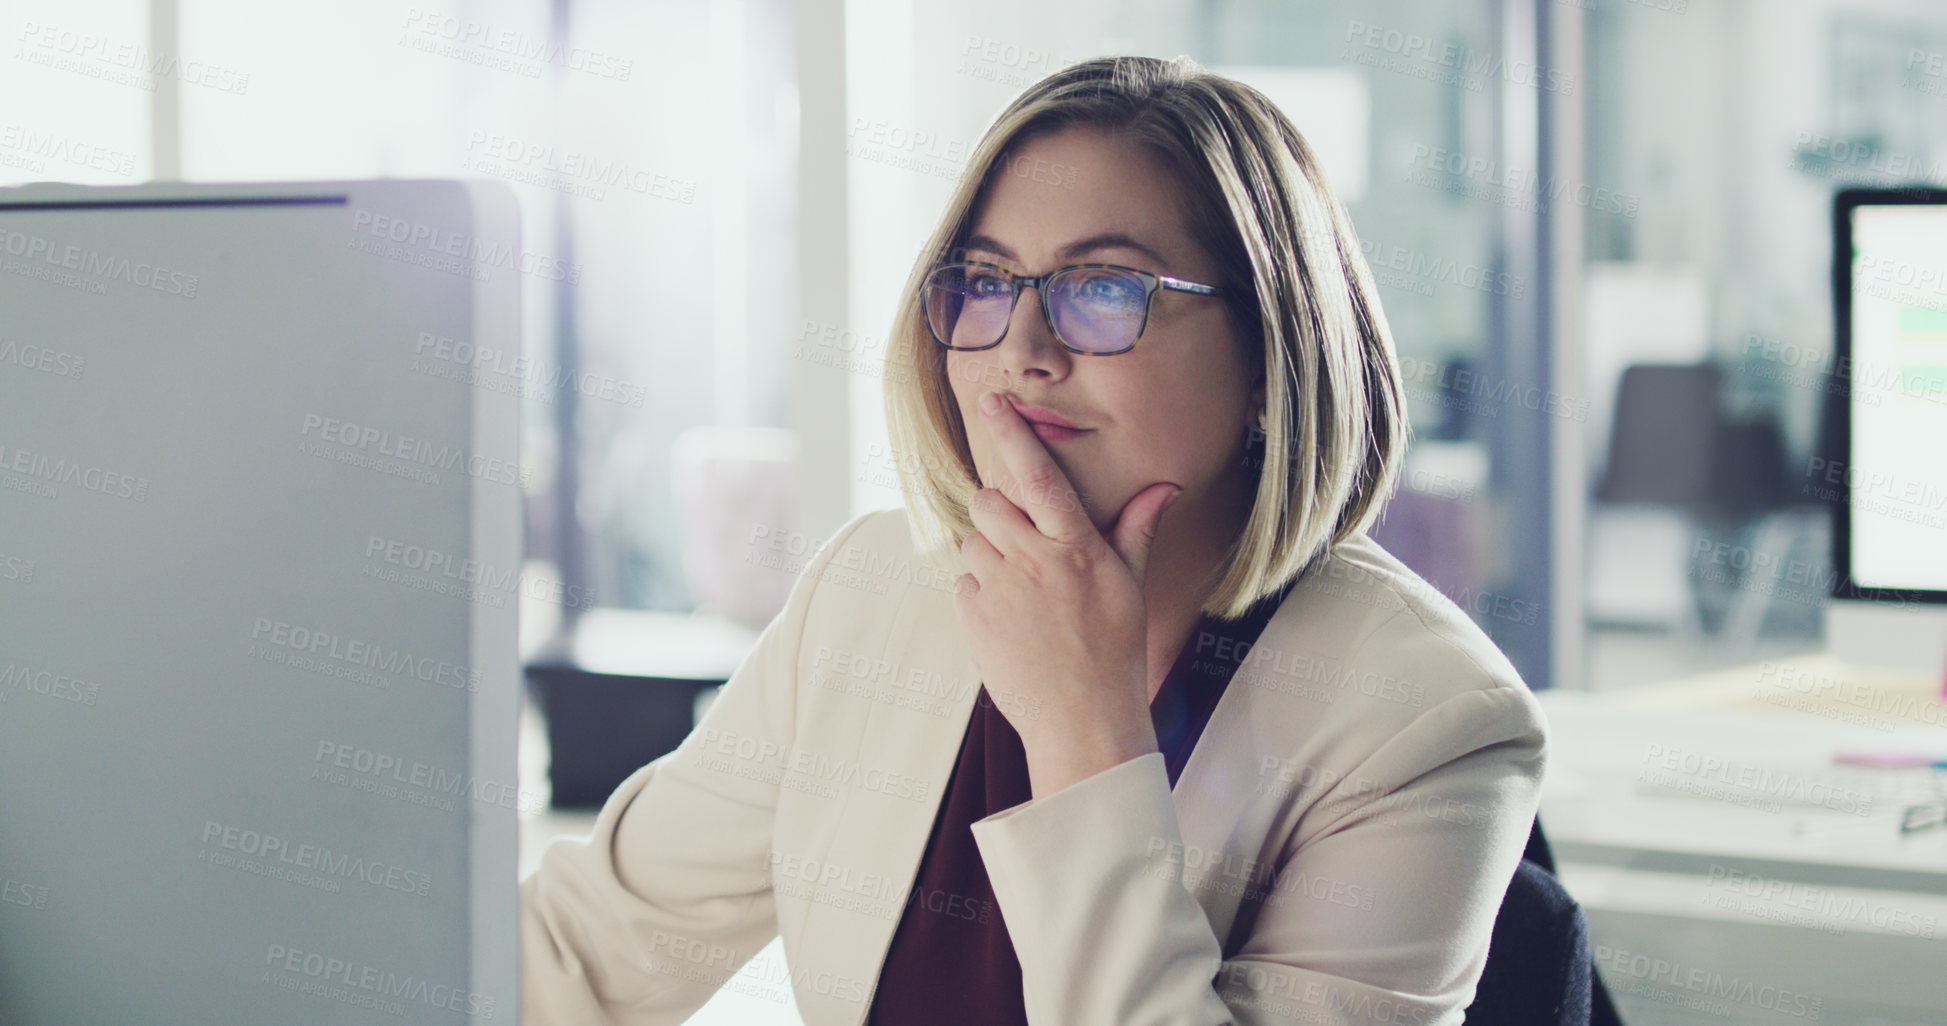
point(1096, 309)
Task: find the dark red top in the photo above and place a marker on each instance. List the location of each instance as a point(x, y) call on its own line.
point(951, 960)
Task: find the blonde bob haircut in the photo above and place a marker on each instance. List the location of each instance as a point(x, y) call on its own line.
point(1298, 292)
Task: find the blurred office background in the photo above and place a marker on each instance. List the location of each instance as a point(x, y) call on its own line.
point(1600, 228)
point(1549, 193)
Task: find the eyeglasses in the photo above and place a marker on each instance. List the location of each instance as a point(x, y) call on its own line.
point(1094, 309)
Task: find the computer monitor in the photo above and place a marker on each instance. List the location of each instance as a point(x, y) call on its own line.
point(259, 549)
point(1887, 460)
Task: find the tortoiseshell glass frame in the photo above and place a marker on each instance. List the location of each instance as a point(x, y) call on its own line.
point(1152, 283)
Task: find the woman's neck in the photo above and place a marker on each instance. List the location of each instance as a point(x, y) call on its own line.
point(1190, 543)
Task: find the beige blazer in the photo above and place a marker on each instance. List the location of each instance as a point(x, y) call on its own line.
point(1334, 851)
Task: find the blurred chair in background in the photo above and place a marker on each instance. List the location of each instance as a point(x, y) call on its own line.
point(624, 686)
point(1681, 474)
point(732, 487)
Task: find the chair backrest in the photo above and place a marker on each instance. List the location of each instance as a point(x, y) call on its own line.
point(1663, 440)
point(1539, 971)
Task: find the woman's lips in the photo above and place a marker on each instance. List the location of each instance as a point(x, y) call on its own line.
point(1040, 414)
point(1048, 425)
point(1055, 432)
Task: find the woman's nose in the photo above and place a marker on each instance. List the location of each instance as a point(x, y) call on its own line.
point(1028, 328)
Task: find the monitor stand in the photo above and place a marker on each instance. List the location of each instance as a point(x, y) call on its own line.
point(1885, 634)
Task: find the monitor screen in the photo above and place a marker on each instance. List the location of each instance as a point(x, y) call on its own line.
point(1892, 356)
point(257, 669)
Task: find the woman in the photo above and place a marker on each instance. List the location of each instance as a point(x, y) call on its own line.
point(1146, 730)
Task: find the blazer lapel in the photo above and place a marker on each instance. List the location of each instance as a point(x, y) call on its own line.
point(882, 836)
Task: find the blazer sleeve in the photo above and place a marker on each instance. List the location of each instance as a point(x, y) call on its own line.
point(1377, 911)
point(671, 894)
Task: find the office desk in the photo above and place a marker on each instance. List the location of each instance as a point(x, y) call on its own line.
point(1730, 871)
point(622, 688)
point(758, 995)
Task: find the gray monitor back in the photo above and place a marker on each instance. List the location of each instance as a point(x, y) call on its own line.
point(259, 557)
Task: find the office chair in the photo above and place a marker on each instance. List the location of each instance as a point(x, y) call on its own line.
point(1662, 446)
point(1647, 508)
point(1539, 971)
point(1674, 453)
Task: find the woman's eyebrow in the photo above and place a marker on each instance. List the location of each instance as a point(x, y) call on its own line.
point(1103, 240)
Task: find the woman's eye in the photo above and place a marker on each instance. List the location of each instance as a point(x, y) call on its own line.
point(1106, 290)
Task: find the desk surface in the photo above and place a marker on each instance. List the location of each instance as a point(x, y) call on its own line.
point(1740, 763)
point(1723, 859)
point(1730, 777)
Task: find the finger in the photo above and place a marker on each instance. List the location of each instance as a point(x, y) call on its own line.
point(1040, 488)
point(1002, 524)
point(1135, 527)
point(981, 558)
